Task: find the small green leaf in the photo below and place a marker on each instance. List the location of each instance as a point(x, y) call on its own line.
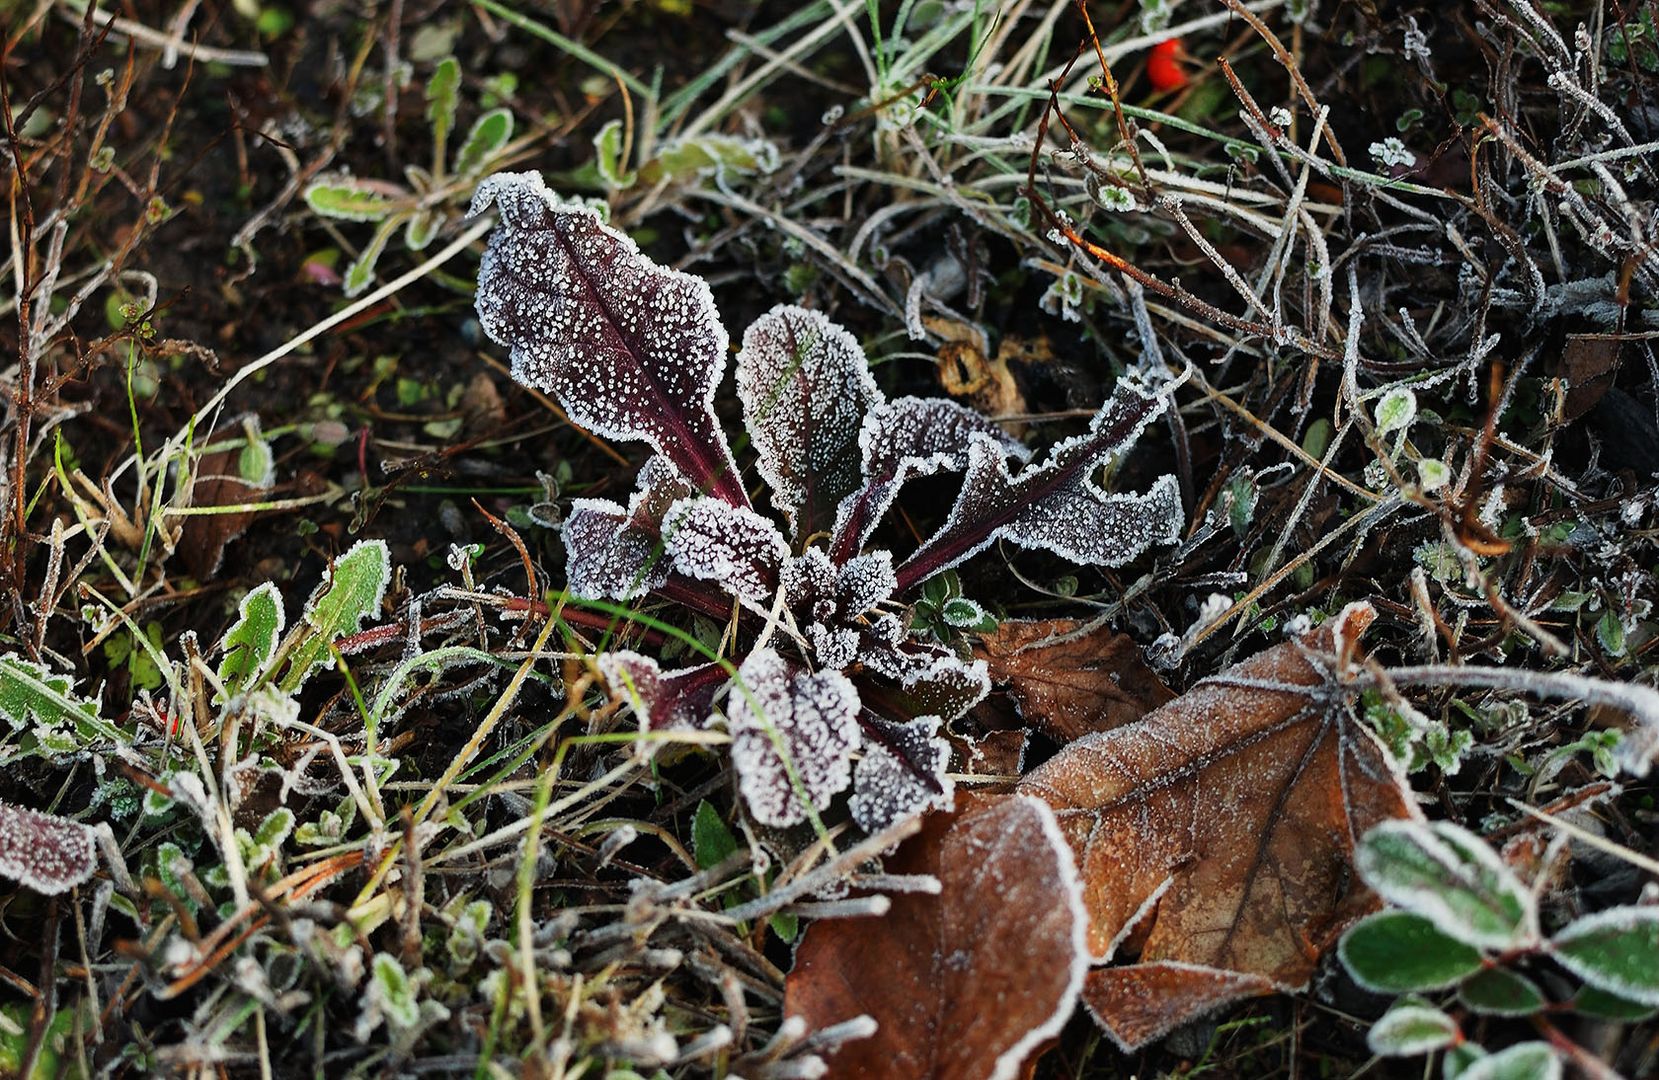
point(1433, 474)
point(441, 92)
point(1396, 410)
point(1450, 875)
point(1615, 950)
point(965, 614)
point(275, 828)
point(338, 608)
point(706, 155)
point(360, 273)
point(1459, 1058)
point(422, 227)
point(1501, 993)
point(711, 841)
point(347, 201)
point(1610, 633)
point(1393, 952)
point(1592, 1001)
point(607, 157)
point(251, 641)
point(28, 692)
point(1523, 1061)
point(394, 991)
point(1410, 1030)
point(489, 135)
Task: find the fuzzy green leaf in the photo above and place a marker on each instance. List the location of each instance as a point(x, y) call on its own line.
point(712, 841)
point(360, 273)
point(29, 694)
point(422, 227)
point(705, 155)
point(1523, 1061)
point(1451, 876)
point(1501, 993)
point(607, 157)
point(1598, 1003)
point(1410, 1030)
point(1616, 951)
point(1393, 952)
point(251, 641)
point(442, 91)
point(338, 607)
point(489, 134)
point(347, 200)
point(394, 992)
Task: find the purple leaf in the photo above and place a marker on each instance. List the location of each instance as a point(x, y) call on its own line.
point(1056, 504)
point(835, 598)
point(43, 852)
point(671, 701)
point(806, 388)
point(920, 680)
point(613, 553)
point(812, 718)
point(901, 774)
point(732, 546)
point(902, 440)
point(630, 349)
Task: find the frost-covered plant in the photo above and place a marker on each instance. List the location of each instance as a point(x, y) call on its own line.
point(835, 689)
point(1460, 919)
point(423, 207)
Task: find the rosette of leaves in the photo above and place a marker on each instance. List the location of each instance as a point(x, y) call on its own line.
point(831, 690)
point(431, 196)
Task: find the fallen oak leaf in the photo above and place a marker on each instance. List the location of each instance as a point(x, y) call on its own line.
point(1218, 832)
point(955, 994)
point(1067, 683)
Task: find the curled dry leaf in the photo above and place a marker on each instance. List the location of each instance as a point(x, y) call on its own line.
point(956, 992)
point(44, 852)
point(1067, 683)
point(1218, 832)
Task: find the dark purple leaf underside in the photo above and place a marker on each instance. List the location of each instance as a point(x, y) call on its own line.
point(664, 701)
point(1055, 504)
point(806, 388)
point(616, 553)
point(901, 440)
point(46, 853)
point(630, 349)
point(902, 772)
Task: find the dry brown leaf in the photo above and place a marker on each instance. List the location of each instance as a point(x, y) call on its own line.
point(1218, 831)
point(968, 371)
point(1142, 1002)
point(967, 983)
point(221, 479)
point(1066, 684)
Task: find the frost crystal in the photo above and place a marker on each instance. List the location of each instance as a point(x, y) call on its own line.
point(902, 773)
point(630, 349)
point(617, 554)
point(1055, 505)
point(46, 853)
point(811, 718)
point(732, 546)
point(806, 388)
point(1391, 152)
